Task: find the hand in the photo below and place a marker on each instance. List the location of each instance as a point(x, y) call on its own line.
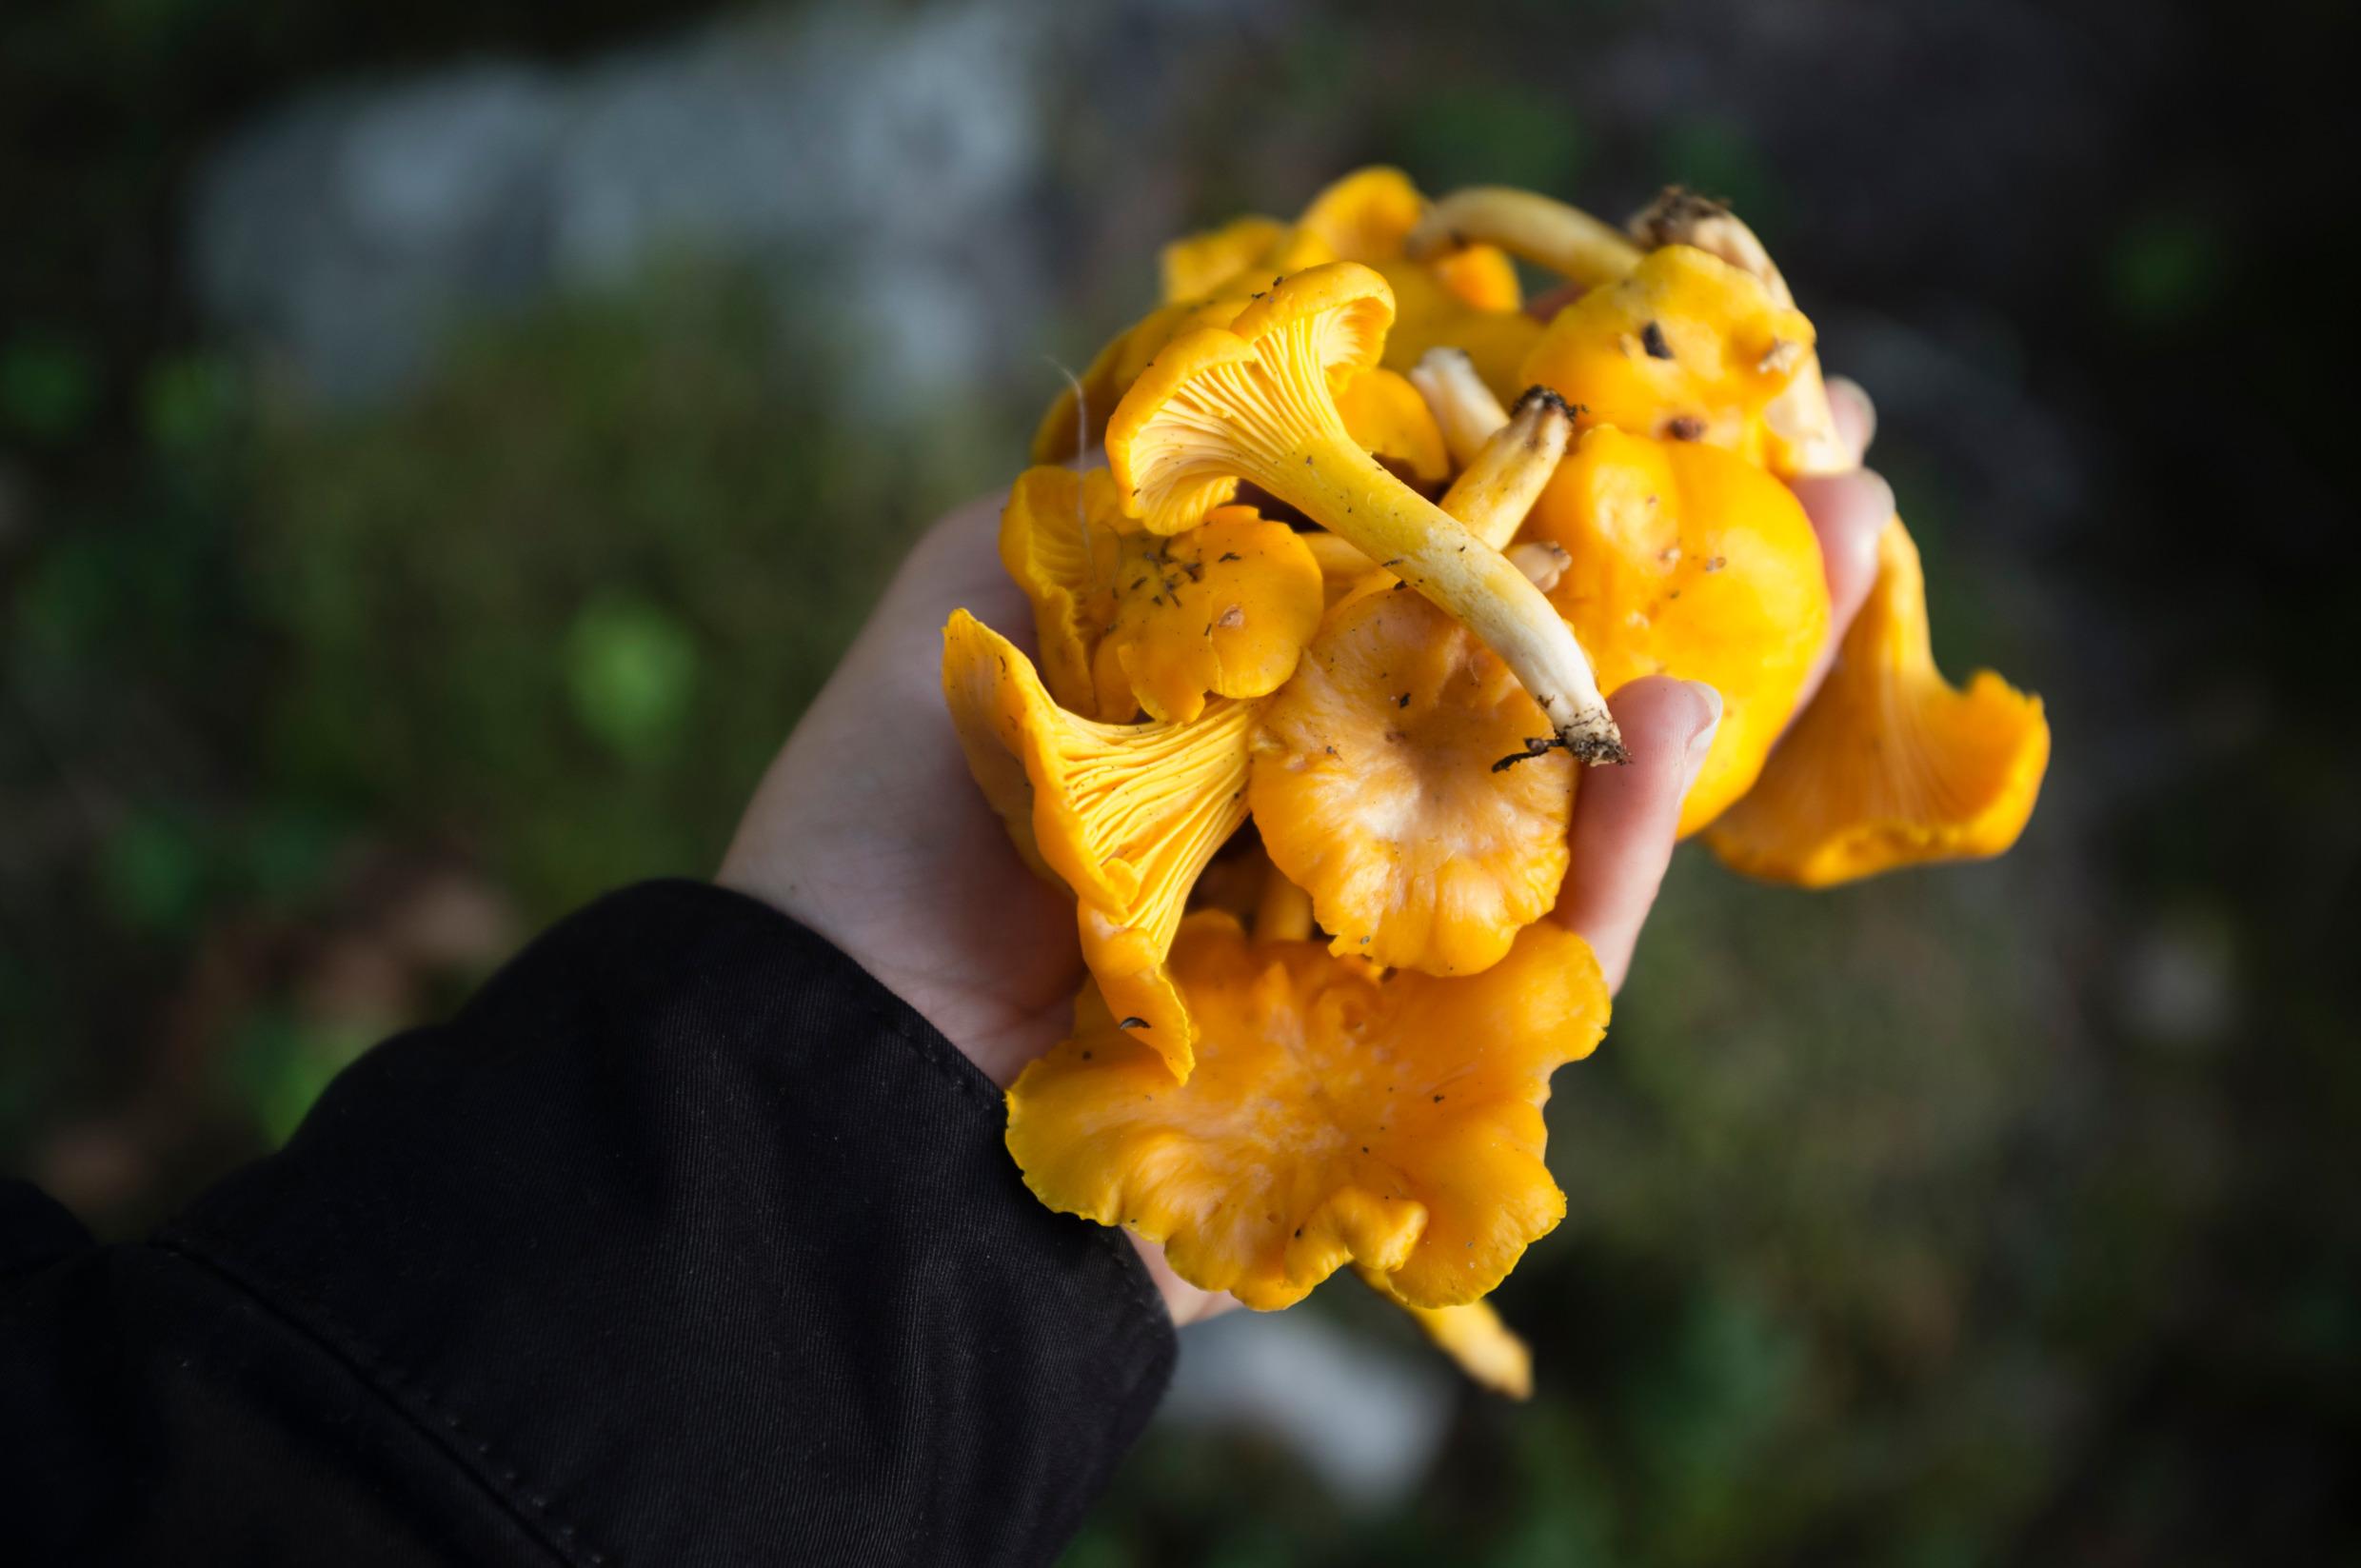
point(868, 830)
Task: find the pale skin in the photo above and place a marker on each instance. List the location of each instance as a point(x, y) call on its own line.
point(867, 829)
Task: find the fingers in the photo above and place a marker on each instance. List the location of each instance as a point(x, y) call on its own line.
point(1855, 415)
point(1848, 512)
point(1624, 816)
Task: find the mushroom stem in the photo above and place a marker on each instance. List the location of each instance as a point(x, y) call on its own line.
point(1318, 471)
point(1509, 475)
point(1682, 217)
point(1565, 239)
point(1463, 407)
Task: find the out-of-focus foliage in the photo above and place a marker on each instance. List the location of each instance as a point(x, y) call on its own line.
point(571, 594)
point(2001, 1216)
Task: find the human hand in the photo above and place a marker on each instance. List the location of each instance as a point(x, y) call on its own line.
point(867, 829)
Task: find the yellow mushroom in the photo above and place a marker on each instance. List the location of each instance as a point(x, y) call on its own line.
point(1061, 540)
point(1473, 1336)
point(1431, 314)
point(1128, 620)
point(1800, 431)
point(1682, 559)
point(1254, 400)
point(1337, 1114)
point(1687, 347)
point(1377, 788)
point(1206, 263)
point(1364, 216)
point(1393, 777)
point(1890, 764)
point(1467, 297)
point(1125, 815)
point(1224, 609)
point(1388, 419)
point(1493, 493)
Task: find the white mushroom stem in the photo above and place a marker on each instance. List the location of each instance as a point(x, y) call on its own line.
point(1499, 488)
point(1463, 407)
point(1565, 239)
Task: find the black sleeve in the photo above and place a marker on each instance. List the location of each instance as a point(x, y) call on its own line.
point(685, 1243)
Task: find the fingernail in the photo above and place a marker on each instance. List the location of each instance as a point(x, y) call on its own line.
point(1700, 739)
point(1852, 392)
point(1875, 486)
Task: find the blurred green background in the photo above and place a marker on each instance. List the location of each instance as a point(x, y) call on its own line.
point(436, 465)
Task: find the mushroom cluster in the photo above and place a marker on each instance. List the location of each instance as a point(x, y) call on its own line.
point(1321, 648)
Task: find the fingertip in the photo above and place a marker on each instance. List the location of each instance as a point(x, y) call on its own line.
point(1848, 512)
point(1657, 711)
point(1855, 414)
point(1625, 818)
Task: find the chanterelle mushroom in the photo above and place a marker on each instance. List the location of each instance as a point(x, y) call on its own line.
point(1254, 400)
point(1130, 620)
point(1375, 790)
point(1389, 420)
point(1891, 765)
point(1393, 779)
point(1337, 1114)
point(1126, 815)
point(1687, 347)
point(1682, 559)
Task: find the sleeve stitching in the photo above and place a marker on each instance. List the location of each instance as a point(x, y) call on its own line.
point(396, 1388)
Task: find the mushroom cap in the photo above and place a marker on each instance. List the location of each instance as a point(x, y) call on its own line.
point(1129, 619)
point(1172, 442)
point(1685, 560)
point(1365, 217)
point(1337, 1114)
point(1687, 342)
point(1125, 815)
point(1375, 789)
point(1233, 259)
point(1224, 609)
point(1390, 421)
point(1890, 764)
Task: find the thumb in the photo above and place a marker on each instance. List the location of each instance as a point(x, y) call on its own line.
point(1624, 818)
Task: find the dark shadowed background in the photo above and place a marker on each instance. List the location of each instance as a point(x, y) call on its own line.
point(442, 445)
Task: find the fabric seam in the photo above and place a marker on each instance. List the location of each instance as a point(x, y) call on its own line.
point(441, 1425)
